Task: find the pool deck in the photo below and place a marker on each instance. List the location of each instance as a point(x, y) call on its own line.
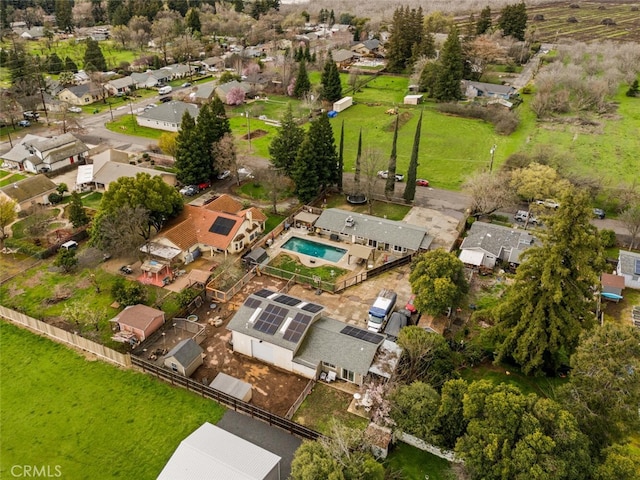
point(308, 260)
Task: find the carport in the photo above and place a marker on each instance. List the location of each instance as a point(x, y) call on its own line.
point(472, 257)
point(305, 218)
point(198, 277)
point(359, 251)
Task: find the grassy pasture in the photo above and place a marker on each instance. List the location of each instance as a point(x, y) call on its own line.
point(90, 418)
point(417, 464)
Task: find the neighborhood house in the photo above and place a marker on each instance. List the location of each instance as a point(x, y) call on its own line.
point(40, 154)
point(29, 192)
point(136, 323)
point(293, 334)
point(167, 116)
point(486, 244)
point(629, 268)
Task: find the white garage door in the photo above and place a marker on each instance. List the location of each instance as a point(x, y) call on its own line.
point(262, 351)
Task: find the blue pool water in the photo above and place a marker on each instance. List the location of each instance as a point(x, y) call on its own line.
point(314, 249)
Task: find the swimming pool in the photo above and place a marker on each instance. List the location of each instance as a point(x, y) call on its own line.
point(314, 249)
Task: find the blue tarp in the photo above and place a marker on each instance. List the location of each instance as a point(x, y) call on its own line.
point(332, 114)
point(613, 296)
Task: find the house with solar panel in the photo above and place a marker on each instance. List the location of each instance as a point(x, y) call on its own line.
point(297, 336)
point(629, 268)
point(222, 225)
point(378, 233)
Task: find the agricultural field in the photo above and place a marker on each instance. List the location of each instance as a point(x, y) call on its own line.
point(91, 419)
point(555, 26)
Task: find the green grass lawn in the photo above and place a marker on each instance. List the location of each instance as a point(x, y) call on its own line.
point(323, 405)
point(128, 125)
point(498, 374)
point(288, 263)
point(391, 211)
point(273, 220)
point(92, 200)
point(92, 419)
point(11, 178)
point(36, 291)
point(415, 463)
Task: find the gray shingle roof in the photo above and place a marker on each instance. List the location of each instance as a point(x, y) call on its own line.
point(249, 313)
point(170, 112)
point(30, 187)
point(503, 242)
point(629, 263)
point(185, 352)
point(490, 88)
point(374, 228)
point(122, 82)
point(80, 90)
point(111, 171)
point(325, 343)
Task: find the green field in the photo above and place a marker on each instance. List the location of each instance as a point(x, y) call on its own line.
point(127, 125)
point(417, 464)
point(91, 419)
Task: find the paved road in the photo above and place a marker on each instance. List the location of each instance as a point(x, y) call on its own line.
point(270, 438)
point(531, 68)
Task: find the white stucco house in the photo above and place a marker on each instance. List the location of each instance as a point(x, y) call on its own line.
point(167, 116)
point(37, 154)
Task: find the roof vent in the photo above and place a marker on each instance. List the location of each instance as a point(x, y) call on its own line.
point(349, 221)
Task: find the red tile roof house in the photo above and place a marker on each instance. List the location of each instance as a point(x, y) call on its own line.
point(221, 226)
point(139, 320)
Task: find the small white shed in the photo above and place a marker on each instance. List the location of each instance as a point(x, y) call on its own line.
point(232, 386)
point(413, 99)
point(343, 104)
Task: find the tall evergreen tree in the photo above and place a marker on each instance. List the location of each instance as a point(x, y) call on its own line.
point(284, 147)
point(180, 6)
point(212, 125)
point(304, 172)
point(483, 25)
point(70, 65)
point(447, 87)
point(341, 158)
point(396, 60)
point(513, 20)
point(77, 214)
point(331, 86)
point(551, 300)
point(54, 64)
point(64, 15)
point(356, 180)
point(390, 185)
point(303, 84)
point(410, 189)
point(190, 167)
point(93, 56)
point(192, 20)
point(316, 165)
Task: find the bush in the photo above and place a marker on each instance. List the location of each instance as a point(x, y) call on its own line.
point(55, 198)
point(608, 238)
point(24, 246)
point(128, 293)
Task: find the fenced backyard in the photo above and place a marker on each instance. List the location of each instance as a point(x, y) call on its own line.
point(227, 400)
point(69, 338)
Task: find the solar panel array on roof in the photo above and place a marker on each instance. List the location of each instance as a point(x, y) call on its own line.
point(270, 319)
point(312, 307)
point(287, 300)
point(297, 327)
point(264, 293)
point(361, 334)
point(222, 226)
point(252, 302)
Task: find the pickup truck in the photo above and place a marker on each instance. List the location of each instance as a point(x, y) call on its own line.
point(381, 309)
point(523, 215)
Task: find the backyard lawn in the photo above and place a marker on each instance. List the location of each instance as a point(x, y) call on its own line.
point(128, 125)
point(323, 405)
point(417, 464)
point(91, 419)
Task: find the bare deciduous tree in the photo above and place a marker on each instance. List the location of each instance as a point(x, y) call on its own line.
point(275, 183)
point(631, 219)
point(489, 192)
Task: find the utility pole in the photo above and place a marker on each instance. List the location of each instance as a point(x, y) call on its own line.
point(492, 152)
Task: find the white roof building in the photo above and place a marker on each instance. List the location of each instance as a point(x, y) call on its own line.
point(213, 453)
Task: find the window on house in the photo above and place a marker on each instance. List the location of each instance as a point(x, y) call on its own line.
point(174, 367)
point(637, 270)
point(347, 375)
point(397, 248)
point(329, 365)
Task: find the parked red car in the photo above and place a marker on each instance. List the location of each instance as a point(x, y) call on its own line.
point(421, 182)
point(204, 185)
point(409, 306)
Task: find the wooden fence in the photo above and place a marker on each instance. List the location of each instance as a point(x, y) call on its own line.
point(65, 337)
point(225, 399)
point(294, 408)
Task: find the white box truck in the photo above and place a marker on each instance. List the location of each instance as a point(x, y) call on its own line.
point(165, 90)
point(381, 309)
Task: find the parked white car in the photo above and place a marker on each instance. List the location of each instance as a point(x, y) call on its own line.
point(548, 202)
point(75, 109)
